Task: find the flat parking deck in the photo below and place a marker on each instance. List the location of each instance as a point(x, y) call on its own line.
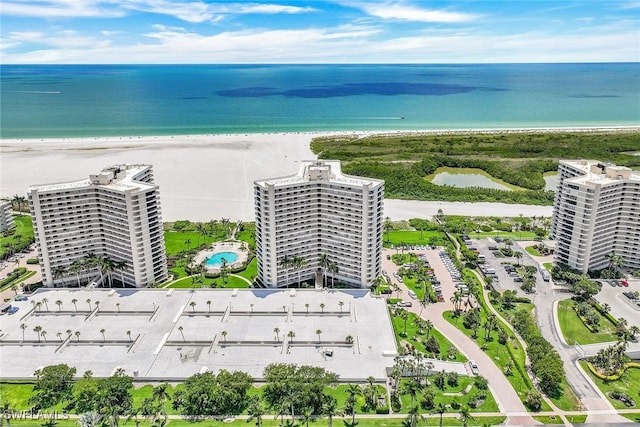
point(173, 334)
point(621, 306)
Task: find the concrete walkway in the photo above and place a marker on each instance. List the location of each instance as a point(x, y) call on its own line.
point(508, 400)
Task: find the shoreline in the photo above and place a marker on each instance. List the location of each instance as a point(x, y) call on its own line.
point(141, 139)
point(211, 176)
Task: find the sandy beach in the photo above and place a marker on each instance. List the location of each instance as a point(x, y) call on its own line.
point(202, 177)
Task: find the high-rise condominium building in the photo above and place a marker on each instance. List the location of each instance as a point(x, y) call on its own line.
point(6, 216)
point(113, 217)
point(329, 220)
point(596, 213)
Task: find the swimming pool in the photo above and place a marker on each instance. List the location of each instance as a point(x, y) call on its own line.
point(215, 261)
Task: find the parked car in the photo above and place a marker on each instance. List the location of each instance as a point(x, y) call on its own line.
point(474, 367)
point(20, 298)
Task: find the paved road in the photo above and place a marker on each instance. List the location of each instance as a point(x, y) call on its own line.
point(545, 300)
point(508, 400)
point(22, 262)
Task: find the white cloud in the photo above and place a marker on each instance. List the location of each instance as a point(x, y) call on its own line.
point(397, 11)
point(58, 9)
point(269, 9)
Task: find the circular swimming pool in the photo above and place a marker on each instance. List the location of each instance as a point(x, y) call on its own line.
point(215, 261)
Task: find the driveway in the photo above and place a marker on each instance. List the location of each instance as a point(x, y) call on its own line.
point(506, 397)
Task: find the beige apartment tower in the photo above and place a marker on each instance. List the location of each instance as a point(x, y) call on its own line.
point(319, 213)
point(113, 215)
point(596, 213)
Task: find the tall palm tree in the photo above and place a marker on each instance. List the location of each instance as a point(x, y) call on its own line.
point(441, 408)
point(299, 263)
point(43, 333)
point(352, 390)
point(276, 331)
point(192, 304)
point(59, 272)
point(78, 335)
point(318, 332)
point(322, 306)
point(615, 261)
point(102, 331)
point(37, 330)
point(23, 326)
point(285, 264)
point(423, 305)
point(518, 255)
point(388, 226)
point(129, 334)
point(59, 304)
point(121, 266)
point(465, 416)
point(329, 408)
point(181, 330)
point(323, 261)
point(76, 268)
point(224, 336)
point(428, 326)
point(209, 306)
point(291, 336)
point(333, 269)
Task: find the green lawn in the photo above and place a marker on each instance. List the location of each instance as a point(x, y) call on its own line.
point(517, 235)
point(406, 237)
point(23, 233)
point(418, 341)
point(531, 250)
point(548, 266)
point(545, 419)
point(574, 330)
point(251, 272)
point(632, 417)
point(179, 241)
point(629, 383)
point(489, 404)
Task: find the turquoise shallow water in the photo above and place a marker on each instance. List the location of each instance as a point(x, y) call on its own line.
point(69, 101)
point(216, 259)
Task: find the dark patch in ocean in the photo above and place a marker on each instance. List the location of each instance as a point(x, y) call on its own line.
point(189, 98)
point(586, 96)
point(354, 89)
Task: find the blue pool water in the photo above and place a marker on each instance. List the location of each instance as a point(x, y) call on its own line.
point(216, 259)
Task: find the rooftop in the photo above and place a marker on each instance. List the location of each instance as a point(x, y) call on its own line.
point(595, 172)
point(320, 170)
point(173, 334)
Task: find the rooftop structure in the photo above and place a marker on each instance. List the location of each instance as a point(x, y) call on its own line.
point(329, 221)
point(596, 213)
point(158, 334)
point(6, 217)
point(113, 217)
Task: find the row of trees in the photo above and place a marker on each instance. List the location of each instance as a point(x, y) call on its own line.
point(298, 263)
point(92, 263)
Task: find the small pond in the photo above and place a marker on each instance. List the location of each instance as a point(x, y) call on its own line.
point(465, 180)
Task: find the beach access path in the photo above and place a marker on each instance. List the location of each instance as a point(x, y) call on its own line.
point(201, 177)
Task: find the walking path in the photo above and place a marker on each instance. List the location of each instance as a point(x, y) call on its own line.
point(508, 400)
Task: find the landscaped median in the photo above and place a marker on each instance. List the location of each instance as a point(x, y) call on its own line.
point(628, 384)
point(575, 328)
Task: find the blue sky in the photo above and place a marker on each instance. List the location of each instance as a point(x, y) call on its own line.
point(341, 31)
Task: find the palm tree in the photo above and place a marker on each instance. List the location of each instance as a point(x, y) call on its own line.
point(323, 261)
point(59, 272)
point(43, 333)
point(518, 256)
point(102, 331)
point(276, 330)
point(285, 264)
point(192, 304)
point(341, 304)
point(78, 335)
point(322, 306)
point(299, 263)
point(333, 269)
point(97, 303)
point(59, 304)
point(456, 299)
point(59, 335)
point(129, 334)
point(121, 266)
point(291, 336)
point(181, 329)
point(77, 267)
point(23, 326)
point(329, 408)
point(224, 336)
point(318, 332)
point(307, 307)
point(255, 410)
point(615, 261)
point(89, 303)
point(606, 308)
point(209, 306)
point(428, 326)
point(441, 409)
point(352, 390)
point(413, 416)
point(404, 315)
point(118, 307)
point(465, 416)
point(388, 226)
point(74, 301)
point(45, 301)
point(423, 305)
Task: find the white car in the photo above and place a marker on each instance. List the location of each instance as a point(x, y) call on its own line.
point(474, 367)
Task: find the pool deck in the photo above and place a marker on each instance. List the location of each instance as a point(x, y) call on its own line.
point(217, 247)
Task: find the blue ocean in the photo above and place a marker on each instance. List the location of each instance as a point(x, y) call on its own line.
point(104, 100)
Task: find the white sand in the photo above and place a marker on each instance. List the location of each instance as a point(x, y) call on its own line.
point(203, 177)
